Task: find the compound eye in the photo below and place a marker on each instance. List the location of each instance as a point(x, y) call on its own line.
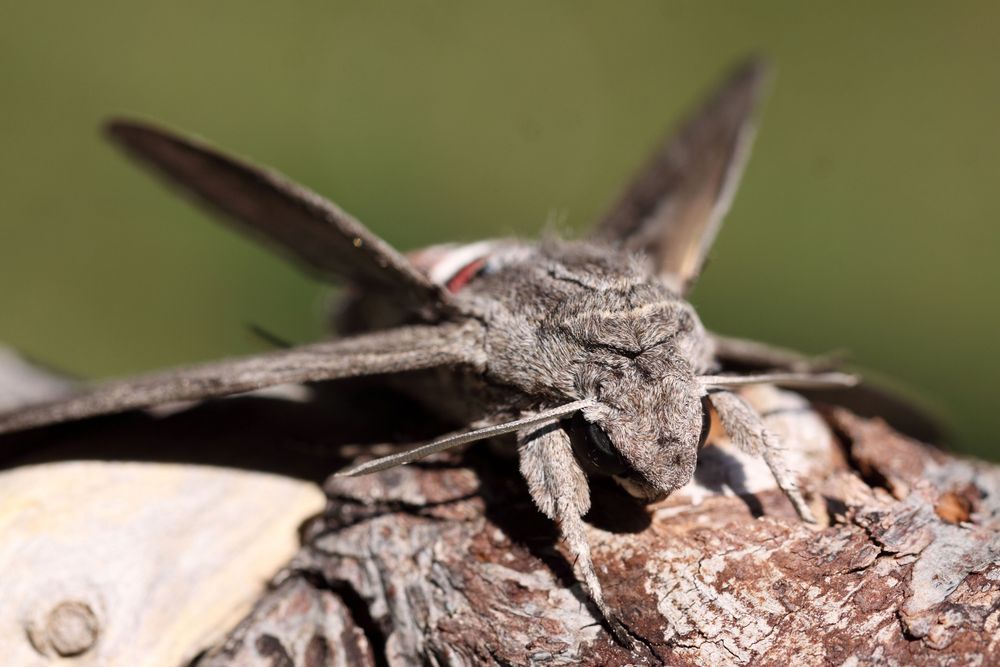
point(706, 420)
point(603, 452)
point(593, 444)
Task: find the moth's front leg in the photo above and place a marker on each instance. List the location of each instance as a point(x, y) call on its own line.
point(748, 433)
point(559, 488)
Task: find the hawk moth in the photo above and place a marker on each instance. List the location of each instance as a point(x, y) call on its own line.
point(587, 350)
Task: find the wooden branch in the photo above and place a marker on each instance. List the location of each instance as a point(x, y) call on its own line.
point(449, 563)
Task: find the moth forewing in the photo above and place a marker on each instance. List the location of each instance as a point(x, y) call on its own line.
point(378, 353)
point(299, 223)
point(674, 207)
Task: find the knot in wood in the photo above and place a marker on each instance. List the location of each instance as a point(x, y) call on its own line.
point(71, 628)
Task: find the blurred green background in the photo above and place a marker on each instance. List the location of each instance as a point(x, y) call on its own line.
point(868, 220)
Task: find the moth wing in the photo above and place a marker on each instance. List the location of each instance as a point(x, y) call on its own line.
point(673, 208)
point(298, 222)
point(753, 355)
point(392, 351)
point(870, 400)
point(865, 398)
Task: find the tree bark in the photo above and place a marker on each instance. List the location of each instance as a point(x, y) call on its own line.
point(447, 562)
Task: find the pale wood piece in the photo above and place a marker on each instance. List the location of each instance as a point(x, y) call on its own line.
point(127, 563)
point(165, 557)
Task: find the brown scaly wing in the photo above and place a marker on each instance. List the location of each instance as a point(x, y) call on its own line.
point(384, 352)
point(674, 207)
point(298, 222)
point(866, 398)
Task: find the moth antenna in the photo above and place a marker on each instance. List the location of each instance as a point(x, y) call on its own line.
point(449, 441)
point(794, 380)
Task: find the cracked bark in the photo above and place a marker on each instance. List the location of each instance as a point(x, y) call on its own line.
point(447, 562)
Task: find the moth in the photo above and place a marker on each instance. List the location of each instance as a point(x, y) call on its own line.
point(586, 350)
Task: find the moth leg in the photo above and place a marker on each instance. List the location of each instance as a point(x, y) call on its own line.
point(559, 488)
point(747, 431)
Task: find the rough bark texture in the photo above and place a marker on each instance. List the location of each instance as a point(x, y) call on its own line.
point(448, 563)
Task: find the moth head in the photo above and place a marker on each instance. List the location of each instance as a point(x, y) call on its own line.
point(639, 357)
point(646, 437)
